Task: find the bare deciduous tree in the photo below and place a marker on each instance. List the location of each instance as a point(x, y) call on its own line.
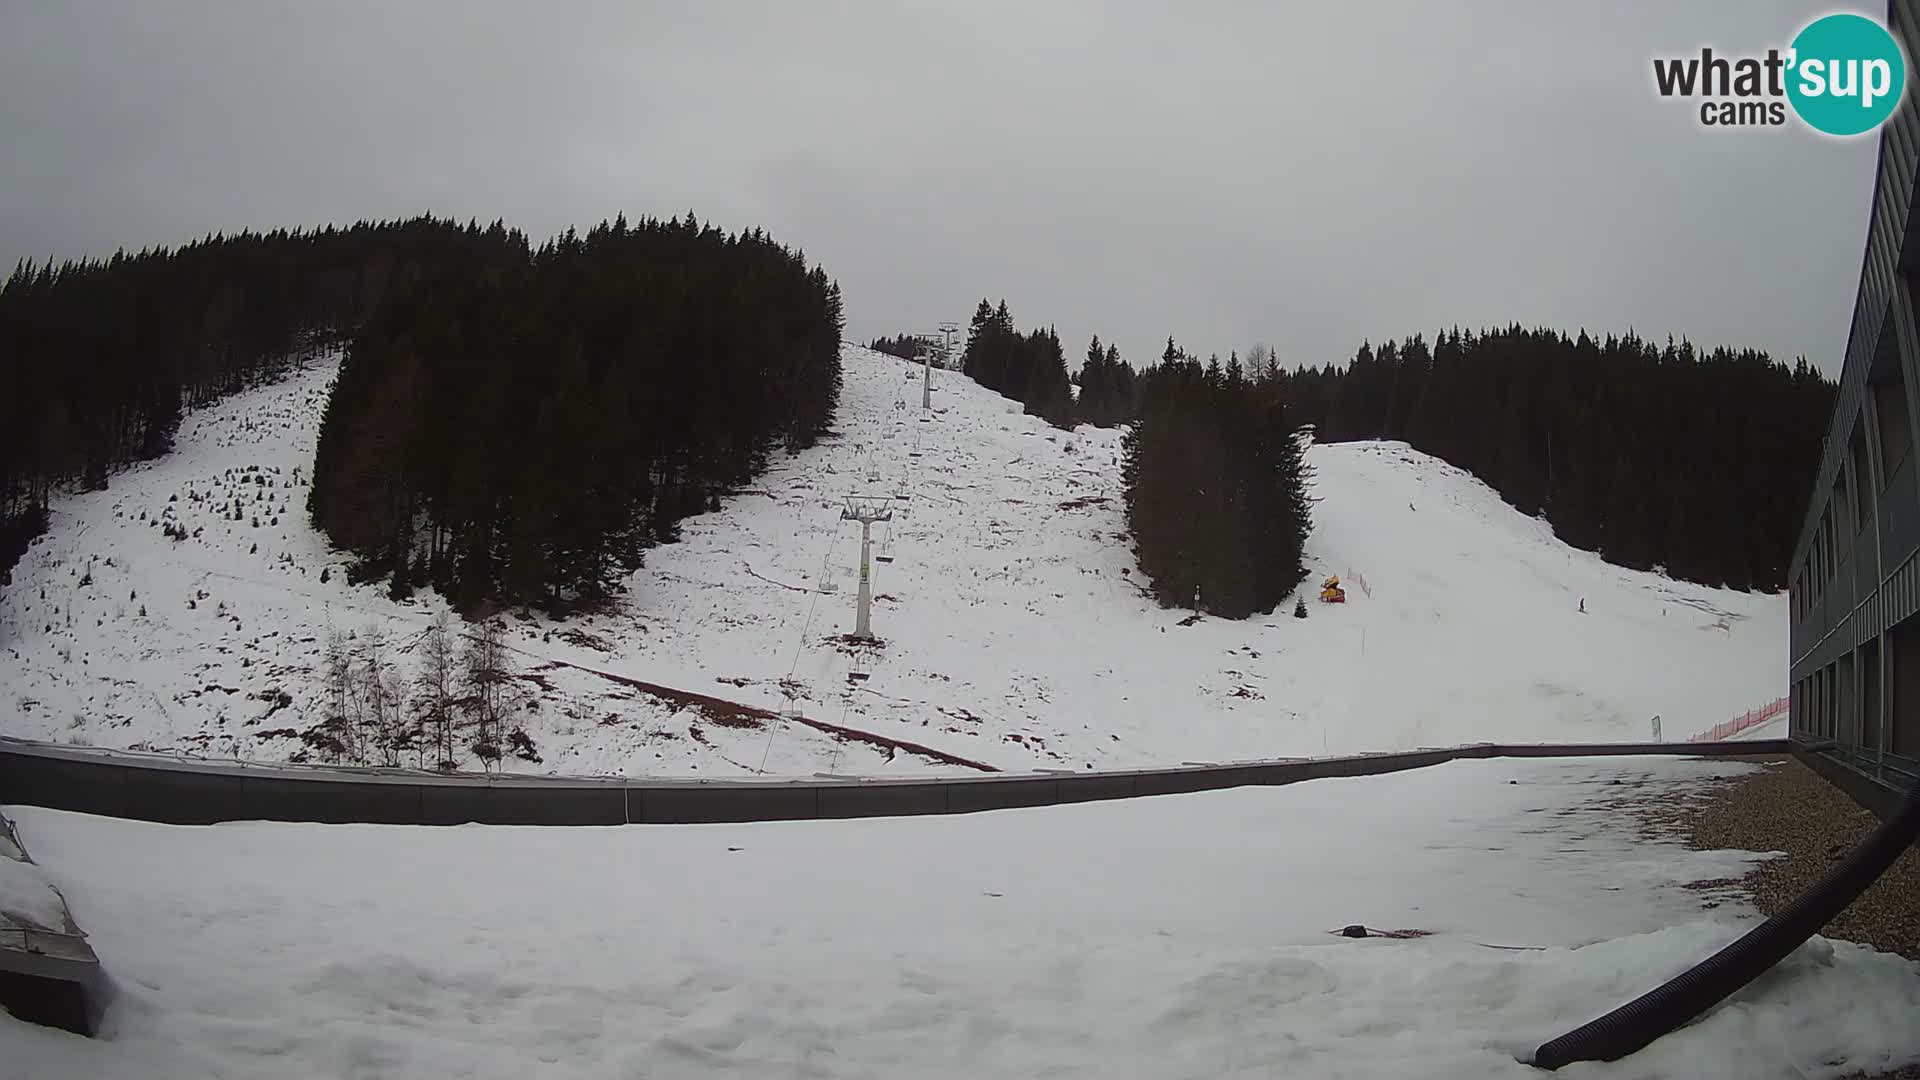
point(1262, 361)
point(338, 724)
point(484, 675)
point(434, 692)
point(380, 712)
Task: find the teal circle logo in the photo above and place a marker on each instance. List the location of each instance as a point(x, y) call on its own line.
point(1846, 74)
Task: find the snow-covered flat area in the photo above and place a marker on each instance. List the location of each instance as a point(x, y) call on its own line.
point(1015, 626)
point(1184, 936)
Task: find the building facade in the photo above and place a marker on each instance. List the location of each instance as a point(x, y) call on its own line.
point(1855, 587)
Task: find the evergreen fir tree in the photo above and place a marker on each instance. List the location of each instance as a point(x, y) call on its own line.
point(1215, 483)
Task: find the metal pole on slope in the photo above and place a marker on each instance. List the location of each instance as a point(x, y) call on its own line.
point(866, 512)
point(947, 330)
point(863, 622)
point(926, 361)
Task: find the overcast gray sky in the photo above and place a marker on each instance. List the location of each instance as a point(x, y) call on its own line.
point(1305, 175)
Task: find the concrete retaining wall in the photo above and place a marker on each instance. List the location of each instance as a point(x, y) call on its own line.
point(151, 787)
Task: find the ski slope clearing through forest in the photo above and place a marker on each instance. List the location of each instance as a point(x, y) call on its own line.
point(1016, 632)
point(1094, 940)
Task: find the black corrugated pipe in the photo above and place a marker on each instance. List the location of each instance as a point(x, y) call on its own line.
point(1664, 1008)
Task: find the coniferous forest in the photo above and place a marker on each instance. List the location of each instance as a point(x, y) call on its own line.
point(100, 357)
point(1108, 391)
point(521, 432)
point(1215, 480)
point(1029, 367)
point(1697, 462)
point(903, 345)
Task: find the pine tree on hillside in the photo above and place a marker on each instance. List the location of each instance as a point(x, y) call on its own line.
point(1125, 391)
point(1215, 488)
point(1046, 390)
point(522, 435)
point(904, 346)
point(100, 357)
point(1029, 368)
point(1106, 387)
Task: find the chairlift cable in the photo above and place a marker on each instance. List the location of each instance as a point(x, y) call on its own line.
point(799, 646)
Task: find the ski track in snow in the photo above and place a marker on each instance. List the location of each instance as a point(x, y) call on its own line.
point(1015, 629)
point(1179, 936)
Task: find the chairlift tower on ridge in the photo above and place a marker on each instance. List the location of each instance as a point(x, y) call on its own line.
point(866, 510)
point(947, 330)
point(926, 369)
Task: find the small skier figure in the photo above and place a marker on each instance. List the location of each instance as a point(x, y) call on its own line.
point(1583, 605)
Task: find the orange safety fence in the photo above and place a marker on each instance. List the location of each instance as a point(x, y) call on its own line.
point(1753, 718)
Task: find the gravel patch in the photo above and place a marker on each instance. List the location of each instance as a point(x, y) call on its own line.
point(1788, 808)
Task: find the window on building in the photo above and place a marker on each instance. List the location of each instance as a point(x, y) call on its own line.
point(1827, 707)
point(1890, 410)
point(1870, 695)
point(1848, 722)
point(1865, 484)
point(1826, 535)
point(1841, 518)
point(1903, 696)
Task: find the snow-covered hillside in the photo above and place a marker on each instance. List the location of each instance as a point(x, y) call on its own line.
point(1016, 633)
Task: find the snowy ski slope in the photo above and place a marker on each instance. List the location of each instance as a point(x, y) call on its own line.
point(1015, 630)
